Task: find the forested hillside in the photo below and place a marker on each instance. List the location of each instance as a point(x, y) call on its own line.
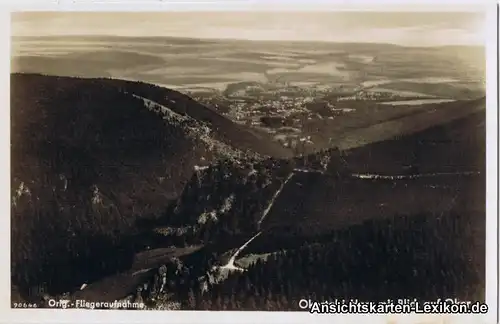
point(426, 256)
point(92, 156)
point(115, 171)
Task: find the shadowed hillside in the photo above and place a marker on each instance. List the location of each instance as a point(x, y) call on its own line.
point(438, 169)
point(416, 235)
point(93, 157)
point(458, 145)
point(89, 158)
point(424, 256)
point(226, 131)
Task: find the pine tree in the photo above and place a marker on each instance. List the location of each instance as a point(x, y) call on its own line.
point(232, 303)
point(284, 303)
point(250, 303)
point(247, 285)
point(225, 302)
point(269, 305)
point(204, 304)
point(217, 304)
point(191, 300)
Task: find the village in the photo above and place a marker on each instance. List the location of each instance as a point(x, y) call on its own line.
point(286, 111)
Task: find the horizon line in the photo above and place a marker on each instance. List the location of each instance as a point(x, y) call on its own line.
point(211, 39)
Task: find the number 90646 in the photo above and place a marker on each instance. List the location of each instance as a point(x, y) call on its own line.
point(24, 305)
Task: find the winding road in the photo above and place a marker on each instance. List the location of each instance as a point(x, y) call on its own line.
point(230, 264)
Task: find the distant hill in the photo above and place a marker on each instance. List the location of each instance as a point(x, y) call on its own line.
point(90, 157)
point(448, 163)
point(457, 145)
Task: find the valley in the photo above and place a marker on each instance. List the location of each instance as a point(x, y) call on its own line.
point(282, 89)
point(231, 175)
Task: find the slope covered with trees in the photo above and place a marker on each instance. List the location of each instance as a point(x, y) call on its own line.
point(331, 234)
point(425, 256)
point(92, 156)
point(104, 168)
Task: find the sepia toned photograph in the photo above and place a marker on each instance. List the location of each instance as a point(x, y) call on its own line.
point(247, 161)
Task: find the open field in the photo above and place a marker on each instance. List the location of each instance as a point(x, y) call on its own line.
point(321, 89)
point(189, 62)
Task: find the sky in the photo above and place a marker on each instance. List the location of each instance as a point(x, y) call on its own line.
point(402, 28)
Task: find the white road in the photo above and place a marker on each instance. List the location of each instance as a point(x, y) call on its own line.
point(230, 264)
point(273, 199)
point(307, 171)
point(409, 176)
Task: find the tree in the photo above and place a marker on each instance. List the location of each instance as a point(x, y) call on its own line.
point(284, 303)
point(205, 303)
point(191, 300)
point(217, 304)
point(250, 303)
